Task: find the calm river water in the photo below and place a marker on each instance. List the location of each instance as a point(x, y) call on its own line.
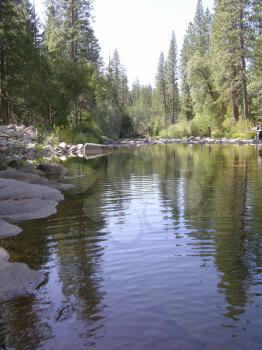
point(157, 248)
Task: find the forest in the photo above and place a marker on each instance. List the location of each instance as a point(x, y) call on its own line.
point(52, 75)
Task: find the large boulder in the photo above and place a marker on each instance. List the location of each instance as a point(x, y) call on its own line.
point(93, 149)
point(17, 279)
point(33, 178)
point(25, 201)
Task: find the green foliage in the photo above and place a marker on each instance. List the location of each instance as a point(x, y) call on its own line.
point(85, 134)
point(201, 123)
point(199, 127)
point(179, 130)
point(240, 129)
point(157, 125)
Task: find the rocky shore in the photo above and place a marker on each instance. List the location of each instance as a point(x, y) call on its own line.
point(25, 195)
point(28, 190)
point(19, 144)
point(127, 143)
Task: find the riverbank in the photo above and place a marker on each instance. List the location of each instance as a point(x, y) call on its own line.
point(26, 194)
point(19, 144)
point(190, 141)
point(29, 190)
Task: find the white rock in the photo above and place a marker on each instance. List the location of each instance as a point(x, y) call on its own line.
point(62, 145)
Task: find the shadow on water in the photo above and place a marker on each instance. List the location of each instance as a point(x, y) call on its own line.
point(156, 248)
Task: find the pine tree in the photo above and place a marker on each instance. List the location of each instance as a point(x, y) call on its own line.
point(255, 71)
point(19, 58)
point(186, 54)
point(119, 80)
point(78, 34)
point(161, 85)
point(53, 31)
point(172, 80)
point(229, 51)
point(198, 66)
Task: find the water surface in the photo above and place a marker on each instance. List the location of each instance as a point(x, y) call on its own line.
point(157, 248)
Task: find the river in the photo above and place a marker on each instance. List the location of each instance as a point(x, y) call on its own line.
point(157, 248)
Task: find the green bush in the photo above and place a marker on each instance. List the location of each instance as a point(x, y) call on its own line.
point(178, 130)
point(83, 134)
point(199, 125)
point(240, 129)
point(217, 134)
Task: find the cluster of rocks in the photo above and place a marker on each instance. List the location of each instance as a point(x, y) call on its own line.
point(128, 143)
point(87, 150)
point(17, 144)
point(31, 192)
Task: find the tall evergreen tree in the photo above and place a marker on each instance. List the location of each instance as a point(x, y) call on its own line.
point(172, 80)
point(186, 54)
point(161, 85)
point(18, 59)
point(229, 45)
point(196, 82)
point(119, 81)
point(255, 74)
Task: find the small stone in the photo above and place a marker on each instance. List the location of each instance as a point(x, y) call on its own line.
point(62, 145)
point(4, 255)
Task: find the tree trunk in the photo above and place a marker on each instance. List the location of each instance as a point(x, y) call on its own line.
point(173, 105)
point(73, 39)
point(4, 108)
point(235, 106)
point(5, 111)
point(244, 89)
point(243, 62)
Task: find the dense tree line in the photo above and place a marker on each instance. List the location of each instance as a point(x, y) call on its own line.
point(219, 69)
point(54, 75)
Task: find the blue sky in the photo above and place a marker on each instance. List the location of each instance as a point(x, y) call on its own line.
point(140, 30)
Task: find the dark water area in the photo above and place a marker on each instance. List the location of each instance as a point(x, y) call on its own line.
point(157, 248)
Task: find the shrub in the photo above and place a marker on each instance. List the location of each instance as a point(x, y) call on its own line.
point(178, 130)
point(83, 134)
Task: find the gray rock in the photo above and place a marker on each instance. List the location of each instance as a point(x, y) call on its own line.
point(53, 169)
point(4, 255)
point(14, 174)
point(16, 163)
point(3, 163)
point(25, 201)
point(29, 168)
point(8, 230)
point(17, 280)
point(93, 148)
